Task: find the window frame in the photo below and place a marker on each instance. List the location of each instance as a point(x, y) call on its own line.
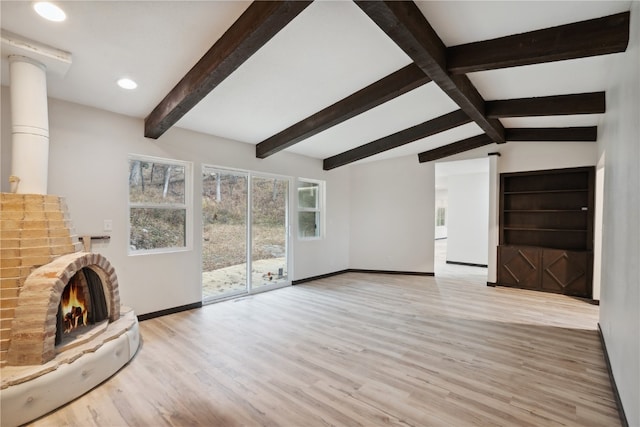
point(319, 209)
point(186, 205)
point(441, 216)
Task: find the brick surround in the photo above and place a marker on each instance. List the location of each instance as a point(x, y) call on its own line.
point(39, 254)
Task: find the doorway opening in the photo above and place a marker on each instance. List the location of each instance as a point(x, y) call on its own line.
point(462, 219)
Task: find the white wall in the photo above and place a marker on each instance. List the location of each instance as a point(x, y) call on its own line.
point(88, 166)
point(392, 215)
point(620, 280)
point(468, 218)
point(530, 156)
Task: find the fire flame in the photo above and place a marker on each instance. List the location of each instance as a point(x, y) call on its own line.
point(74, 308)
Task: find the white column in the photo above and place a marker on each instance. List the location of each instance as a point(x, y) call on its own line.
point(29, 124)
point(493, 238)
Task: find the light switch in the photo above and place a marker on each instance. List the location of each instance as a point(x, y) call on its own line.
point(108, 225)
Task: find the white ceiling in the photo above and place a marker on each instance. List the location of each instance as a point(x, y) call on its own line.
point(331, 50)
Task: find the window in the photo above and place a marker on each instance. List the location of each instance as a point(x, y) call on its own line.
point(159, 205)
point(310, 205)
point(440, 216)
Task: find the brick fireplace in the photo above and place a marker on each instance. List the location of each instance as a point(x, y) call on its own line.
point(35, 230)
point(41, 256)
point(34, 327)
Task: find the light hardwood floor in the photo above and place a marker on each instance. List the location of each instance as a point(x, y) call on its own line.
point(363, 349)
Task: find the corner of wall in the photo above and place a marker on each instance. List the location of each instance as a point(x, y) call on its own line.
point(620, 289)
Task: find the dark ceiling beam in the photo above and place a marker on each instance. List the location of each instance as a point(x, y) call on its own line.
point(454, 148)
point(407, 27)
point(423, 130)
point(587, 133)
point(582, 103)
point(584, 133)
point(256, 26)
point(600, 36)
point(385, 89)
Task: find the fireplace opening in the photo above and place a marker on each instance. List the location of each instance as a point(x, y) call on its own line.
point(82, 306)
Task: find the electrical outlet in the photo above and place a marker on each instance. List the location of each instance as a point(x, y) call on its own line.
point(108, 225)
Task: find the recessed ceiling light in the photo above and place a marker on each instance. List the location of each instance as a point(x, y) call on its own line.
point(126, 83)
point(50, 11)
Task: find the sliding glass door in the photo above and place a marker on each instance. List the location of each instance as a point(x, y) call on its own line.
point(245, 233)
point(269, 231)
point(225, 204)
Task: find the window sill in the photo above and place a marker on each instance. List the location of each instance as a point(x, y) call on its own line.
point(158, 251)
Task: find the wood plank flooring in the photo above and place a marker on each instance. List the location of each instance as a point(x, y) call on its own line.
point(363, 349)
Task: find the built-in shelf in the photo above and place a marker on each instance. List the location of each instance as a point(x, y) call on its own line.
point(546, 230)
point(547, 191)
point(544, 210)
point(563, 230)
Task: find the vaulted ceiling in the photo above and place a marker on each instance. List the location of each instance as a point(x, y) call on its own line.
point(342, 81)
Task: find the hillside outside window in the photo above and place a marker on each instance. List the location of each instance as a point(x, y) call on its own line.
point(310, 209)
point(159, 205)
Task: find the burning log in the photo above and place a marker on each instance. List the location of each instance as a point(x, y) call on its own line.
point(74, 318)
point(74, 307)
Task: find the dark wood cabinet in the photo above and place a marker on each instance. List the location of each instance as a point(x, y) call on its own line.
point(567, 272)
point(520, 266)
point(546, 230)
